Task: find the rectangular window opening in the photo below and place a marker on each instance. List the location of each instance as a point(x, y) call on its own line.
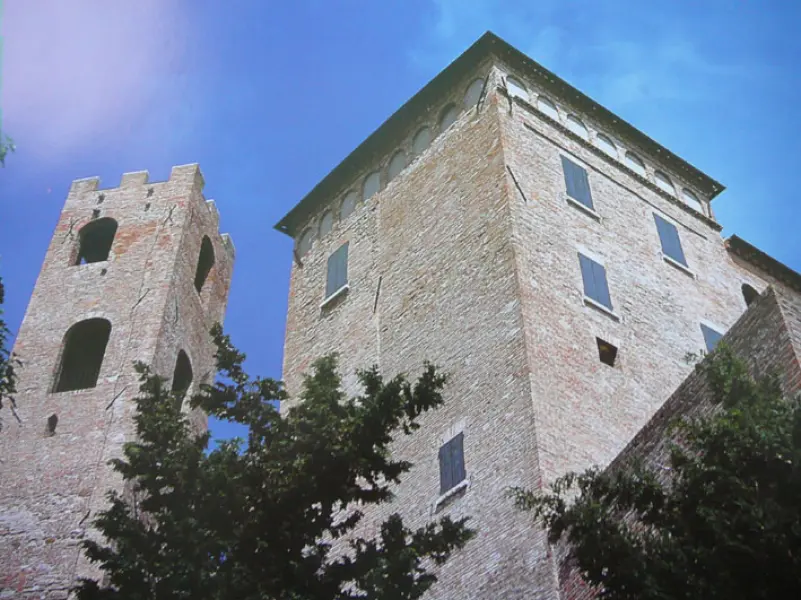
point(596, 286)
point(577, 183)
point(607, 353)
point(669, 237)
point(451, 464)
point(337, 276)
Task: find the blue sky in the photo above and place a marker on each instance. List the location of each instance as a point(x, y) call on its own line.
point(268, 97)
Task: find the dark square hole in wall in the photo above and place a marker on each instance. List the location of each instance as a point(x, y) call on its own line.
point(607, 352)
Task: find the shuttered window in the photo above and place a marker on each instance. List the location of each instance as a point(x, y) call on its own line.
point(669, 236)
point(594, 277)
point(576, 182)
point(451, 463)
point(711, 337)
point(337, 270)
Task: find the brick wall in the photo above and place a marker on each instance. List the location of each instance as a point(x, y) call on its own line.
point(476, 248)
point(765, 337)
point(52, 486)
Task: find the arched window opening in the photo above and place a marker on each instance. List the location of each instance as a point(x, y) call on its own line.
point(182, 376)
point(692, 201)
point(516, 88)
point(635, 163)
point(84, 347)
point(575, 125)
point(372, 183)
point(473, 93)
point(348, 205)
point(204, 263)
point(448, 117)
point(750, 295)
point(421, 140)
point(305, 242)
point(606, 144)
point(663, 182)
point(547, 107)
point(396, 165)
point(94, 241)
point(326, 223)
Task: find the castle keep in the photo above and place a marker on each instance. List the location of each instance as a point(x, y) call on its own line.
point(559, 263)
point(135, 273)
point(556, 261)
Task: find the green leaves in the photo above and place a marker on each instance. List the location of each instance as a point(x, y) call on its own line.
point(6, 147)
point(275, 515)
point(8, 362)
point(721, 519)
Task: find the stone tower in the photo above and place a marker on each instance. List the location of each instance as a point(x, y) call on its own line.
point(557, 262)
point(135, 273)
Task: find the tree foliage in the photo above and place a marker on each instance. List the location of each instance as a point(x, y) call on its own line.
point(6, 147)
point(722, 522)
point(263, 517)
point(8, 362)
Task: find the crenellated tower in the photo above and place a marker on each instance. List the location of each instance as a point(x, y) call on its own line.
point(135, 273)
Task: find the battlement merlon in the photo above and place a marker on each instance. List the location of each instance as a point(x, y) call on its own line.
point(188, 176)
point(185, 180)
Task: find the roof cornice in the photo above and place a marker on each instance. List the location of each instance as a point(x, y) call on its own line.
point(384, 138)
point(753, 255)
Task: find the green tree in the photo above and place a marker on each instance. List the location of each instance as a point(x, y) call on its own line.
point(6, 147)
point(257, 518)
point(723, 522)
point(8, 362)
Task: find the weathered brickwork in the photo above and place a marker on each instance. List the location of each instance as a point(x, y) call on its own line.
point(475, 249)
point(766, 338)
point(51, 486)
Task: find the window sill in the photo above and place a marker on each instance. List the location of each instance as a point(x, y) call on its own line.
point(582, 207)
point(339, 293)
point(459, 487)
point(598, 306)
point(674, 263)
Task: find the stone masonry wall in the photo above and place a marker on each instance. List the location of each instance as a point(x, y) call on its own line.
point(52, 486)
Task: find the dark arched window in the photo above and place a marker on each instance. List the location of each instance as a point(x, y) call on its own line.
point(749, 294)
point(204, 263)
point(94, 241)
point(82, 357)
point(182, 376)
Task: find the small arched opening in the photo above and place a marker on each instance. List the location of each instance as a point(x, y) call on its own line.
point(750, 295)
point(182, 375)
point(82, 357)
point(205, 262)
point(94, 241)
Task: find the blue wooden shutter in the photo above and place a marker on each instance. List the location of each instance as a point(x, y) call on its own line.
point(576, 182)
point(337, 270)
point(445, 468)
point(457, 459)
point(594, 278)
point(587, 276)
point(669, 237)
point(711, 337)
point(601, 285)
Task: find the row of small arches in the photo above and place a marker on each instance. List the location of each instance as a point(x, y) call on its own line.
point(96, 238)
point(604, 142)
point(399, 160)
point(83, 351)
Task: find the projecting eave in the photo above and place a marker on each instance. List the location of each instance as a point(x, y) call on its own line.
point(764, 262)
point(384, 139)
